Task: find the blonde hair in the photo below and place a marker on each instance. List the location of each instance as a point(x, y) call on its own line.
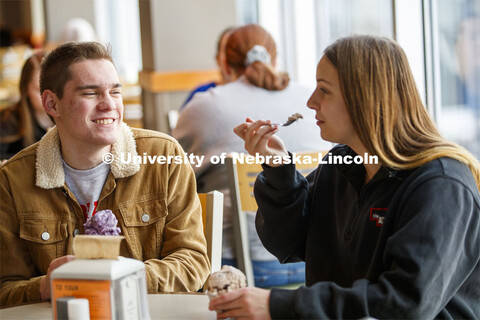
point(386, 110)
point(258, 73)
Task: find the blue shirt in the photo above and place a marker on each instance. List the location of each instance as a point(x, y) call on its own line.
point(202, 88)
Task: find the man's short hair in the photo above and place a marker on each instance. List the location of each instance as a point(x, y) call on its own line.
point(55, 67)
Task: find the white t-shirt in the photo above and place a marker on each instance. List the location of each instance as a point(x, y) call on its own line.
point(87, 185)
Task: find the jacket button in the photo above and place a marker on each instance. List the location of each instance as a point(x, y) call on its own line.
point(45, 236)
point(145, 217)
point(75, 232)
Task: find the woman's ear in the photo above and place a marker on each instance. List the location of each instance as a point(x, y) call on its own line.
point(50, 103)
point(230, 73)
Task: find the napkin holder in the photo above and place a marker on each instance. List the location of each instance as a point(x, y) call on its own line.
point(115, 286)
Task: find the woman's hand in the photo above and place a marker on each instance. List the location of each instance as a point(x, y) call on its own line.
point(260, 139)
point(245, 303)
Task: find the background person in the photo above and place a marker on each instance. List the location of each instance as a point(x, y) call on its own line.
point(222, 66)
point(397, 240)
point(466, 46)
point(205, 128)
point(78, 29)
point(50, 188)
point(25, 122)
point(468, 80)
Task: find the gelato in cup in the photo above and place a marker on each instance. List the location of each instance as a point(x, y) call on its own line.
point(227, 279)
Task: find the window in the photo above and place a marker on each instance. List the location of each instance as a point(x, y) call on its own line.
point(118, 24)
point(456, 67)
point(440, 38)
point(302, 29)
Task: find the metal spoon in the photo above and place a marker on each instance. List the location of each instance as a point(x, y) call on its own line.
point(293, 118)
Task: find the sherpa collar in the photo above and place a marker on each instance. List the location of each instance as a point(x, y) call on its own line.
point(49, 164)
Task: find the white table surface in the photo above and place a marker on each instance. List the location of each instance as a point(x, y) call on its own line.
point(162, 306)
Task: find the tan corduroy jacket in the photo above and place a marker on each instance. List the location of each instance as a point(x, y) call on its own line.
point(156, 206)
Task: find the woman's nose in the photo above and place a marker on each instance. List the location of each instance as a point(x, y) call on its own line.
point(312, 103)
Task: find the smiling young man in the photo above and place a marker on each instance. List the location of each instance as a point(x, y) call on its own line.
point(49, 189)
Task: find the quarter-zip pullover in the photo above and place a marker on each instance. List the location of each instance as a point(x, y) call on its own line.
point(404, 245)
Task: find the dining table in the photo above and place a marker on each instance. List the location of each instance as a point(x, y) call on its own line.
point(161, 306)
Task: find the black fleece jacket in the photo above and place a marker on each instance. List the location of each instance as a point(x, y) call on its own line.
point(404, 245)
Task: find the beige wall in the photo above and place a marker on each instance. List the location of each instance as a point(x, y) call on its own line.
point(179, 35)
point(59, 12)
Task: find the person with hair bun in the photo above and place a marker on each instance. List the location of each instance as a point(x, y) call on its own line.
point(251, 50)
point(205, 128)
point(397, 238)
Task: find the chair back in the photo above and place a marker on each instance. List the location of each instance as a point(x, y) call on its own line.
point(242, 176)
point(212, 214)
point(172, 119)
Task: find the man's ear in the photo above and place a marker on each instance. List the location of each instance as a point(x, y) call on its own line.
point(50, 103)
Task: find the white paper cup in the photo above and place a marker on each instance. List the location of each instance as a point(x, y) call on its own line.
point(78, 309)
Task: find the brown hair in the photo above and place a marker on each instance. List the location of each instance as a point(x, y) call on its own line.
point(55, 71)
point(225, 32)
point(386, 110)
point(258, 73)
point(18, 121)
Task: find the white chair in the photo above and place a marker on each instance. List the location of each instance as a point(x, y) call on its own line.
point(172, 119)
point(212, 214)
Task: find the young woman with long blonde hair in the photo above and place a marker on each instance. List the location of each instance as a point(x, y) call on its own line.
point(395, 239)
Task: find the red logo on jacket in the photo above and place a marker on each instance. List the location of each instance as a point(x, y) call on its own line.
point(378, 215)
